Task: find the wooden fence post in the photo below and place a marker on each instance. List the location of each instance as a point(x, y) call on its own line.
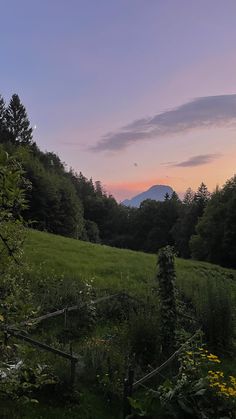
point(72, 368)
point(65, 317)
point(128, 390)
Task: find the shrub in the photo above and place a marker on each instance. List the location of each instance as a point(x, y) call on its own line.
point(144, 338)
point(200, 390)
point(166, 281)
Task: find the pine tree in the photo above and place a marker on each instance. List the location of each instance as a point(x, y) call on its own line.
point(3, 129)
point(174, 197)
point(17, 122)
point(188, 197)
point(202, 195)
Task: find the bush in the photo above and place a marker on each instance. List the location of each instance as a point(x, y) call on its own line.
point(119, 308)
point(200, 390)
point(144, 338)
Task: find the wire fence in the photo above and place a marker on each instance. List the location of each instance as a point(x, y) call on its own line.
point(130, 386)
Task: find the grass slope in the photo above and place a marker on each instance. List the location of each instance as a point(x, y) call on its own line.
point(116, 269)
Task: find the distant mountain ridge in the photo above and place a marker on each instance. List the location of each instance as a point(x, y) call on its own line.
point(156, 192)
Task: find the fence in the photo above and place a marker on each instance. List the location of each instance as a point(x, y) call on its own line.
point(16, 332)
point(130, 385)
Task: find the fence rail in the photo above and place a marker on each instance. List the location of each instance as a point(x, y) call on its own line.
point(167, 362)
point(41, 345)
point(59, 312)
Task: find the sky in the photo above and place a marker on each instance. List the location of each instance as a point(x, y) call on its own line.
point(130, 92)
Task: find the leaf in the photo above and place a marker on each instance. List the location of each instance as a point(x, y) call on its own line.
point(1, 318)
point(200, 392)
point(185, 407)
point(135, 403)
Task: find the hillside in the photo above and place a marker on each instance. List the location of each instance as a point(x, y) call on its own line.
point(58, 266)
point(116, 269)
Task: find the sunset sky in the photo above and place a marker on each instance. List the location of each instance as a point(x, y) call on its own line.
point(130, 92)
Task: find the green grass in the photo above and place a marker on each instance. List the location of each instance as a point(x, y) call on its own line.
point(112, 268)
point(108, 267)
point(53, 257)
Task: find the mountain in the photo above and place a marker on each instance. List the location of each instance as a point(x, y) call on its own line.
point(156, 192)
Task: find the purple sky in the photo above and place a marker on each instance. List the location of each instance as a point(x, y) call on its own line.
point(130, 92)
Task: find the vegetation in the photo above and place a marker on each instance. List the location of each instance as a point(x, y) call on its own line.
point(117, 333)
point(125, 317)
point(166, 282)
point(67, 203)
point(199, 390)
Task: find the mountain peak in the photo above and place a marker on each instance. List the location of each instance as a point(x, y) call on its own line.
point(155, 192)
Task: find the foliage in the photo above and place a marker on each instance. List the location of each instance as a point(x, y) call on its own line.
point(191, 211)
point(200, 390)
point(120, 308)
point(12, 203)
point(144, 338)
point(216, 231)
point(166, 285)
point(215, 312)
point(21, 382)
point(67, 203)
point(18, 125)
point(194, 394)
point(13, 286)
point(103, 359)
point(3, 122)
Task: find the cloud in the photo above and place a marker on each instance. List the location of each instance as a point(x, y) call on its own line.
point(195, 160)
point(203, 112)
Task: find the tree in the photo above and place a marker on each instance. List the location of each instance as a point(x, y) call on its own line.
point(201, 198)
point(215, 238)
point(3, 126)
point(192, 210)
point(14, 289)
point(188, 197)
point(12, 203)
point(18, 124)
point(54, 204)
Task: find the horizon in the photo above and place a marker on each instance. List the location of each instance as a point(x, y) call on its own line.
point(129, 93)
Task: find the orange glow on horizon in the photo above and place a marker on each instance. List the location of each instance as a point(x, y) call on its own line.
point(123, 190)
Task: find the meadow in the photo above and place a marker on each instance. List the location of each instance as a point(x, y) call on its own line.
point(113, 268)
point(58, 268)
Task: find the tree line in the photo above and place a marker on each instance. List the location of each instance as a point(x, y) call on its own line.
point(202, 225)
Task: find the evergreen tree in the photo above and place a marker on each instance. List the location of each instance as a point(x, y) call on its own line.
point(215, 236)
point(201, 197)
point(175, 197)
point(3, 127)
point(18, 124)
point(188, 197)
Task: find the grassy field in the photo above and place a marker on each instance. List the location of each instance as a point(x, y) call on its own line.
point(62, 262)
point(116, 269)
